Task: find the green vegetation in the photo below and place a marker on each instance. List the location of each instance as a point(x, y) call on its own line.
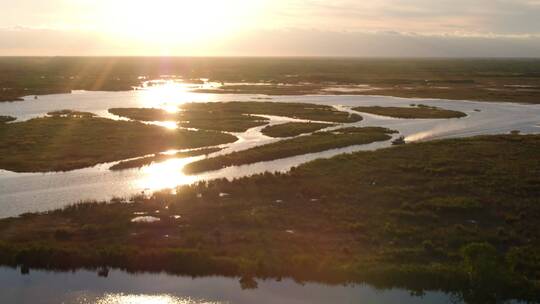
point(514, 80)
point(236, 116)
point(71, 140)
point(291, 129)
point(458, 215)
point(4, 119)
point(294, 110)
point(198, 119)
point(315, 142)
point(145, 161)
point(266, 89)
point(419, 111)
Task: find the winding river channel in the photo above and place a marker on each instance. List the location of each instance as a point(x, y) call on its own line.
point(31, 192)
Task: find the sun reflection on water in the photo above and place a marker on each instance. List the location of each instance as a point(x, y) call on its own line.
point(170, 125)
point(165, 175)
point(170, 94)
point(148, 299)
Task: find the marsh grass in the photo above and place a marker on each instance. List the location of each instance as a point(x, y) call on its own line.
point(5, 119)
point(72, 140)
point(235, 116)
point(460, 79)
point(198, 119)
point(306, 111)
point(414, 112)
point(291, 129)
point(456, 215)
point(316, 142)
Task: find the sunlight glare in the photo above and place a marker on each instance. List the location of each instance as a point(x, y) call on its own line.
point(169, 125)
point(162, 21)
point(165, 175)
point(147, 299)
point(170, 95)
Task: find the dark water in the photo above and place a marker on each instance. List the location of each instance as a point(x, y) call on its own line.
point(121, 287)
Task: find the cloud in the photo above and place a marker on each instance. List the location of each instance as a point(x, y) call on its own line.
point(424, 16)
point(291, 42)
point(455, 28)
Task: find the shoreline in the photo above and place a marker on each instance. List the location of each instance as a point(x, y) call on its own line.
point(273, 225)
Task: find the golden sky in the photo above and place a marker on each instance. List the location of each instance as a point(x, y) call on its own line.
point(271, 27)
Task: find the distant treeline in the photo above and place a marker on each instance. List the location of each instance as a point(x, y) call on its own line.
point(21, 76)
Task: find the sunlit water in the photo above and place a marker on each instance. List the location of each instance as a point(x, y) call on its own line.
point(85, 287)
point(29, 192)
point(24, 192)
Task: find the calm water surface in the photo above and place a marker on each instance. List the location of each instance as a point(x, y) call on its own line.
point(29, 192)
point(85, 287)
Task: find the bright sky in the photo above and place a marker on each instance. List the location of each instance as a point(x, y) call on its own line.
point(271, 27)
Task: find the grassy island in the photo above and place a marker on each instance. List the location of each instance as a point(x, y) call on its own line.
point(316, 142)
point(69, 140)
point(305, 111)
point(236, 116)
point(458, 215)
point(198, 119)
point(417, 111)
point(291, 129)
point(5, 118)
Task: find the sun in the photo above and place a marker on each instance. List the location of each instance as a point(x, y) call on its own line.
point(169, 21)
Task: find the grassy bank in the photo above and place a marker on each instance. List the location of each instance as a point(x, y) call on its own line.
point(457, 215)
point(291, 129)
point(67, 141)
point(4, 119)
point(315, 142)
point(235, 116)
point(145, 161)
point(294, 110)
point(419, 112)
point(199, 119)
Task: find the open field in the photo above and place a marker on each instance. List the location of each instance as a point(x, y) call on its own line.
point(316, 142)
point(413, 112)
point(456, 215)
point(145, 161)
point(514, 80)
point(67, 141)
point(291, 129)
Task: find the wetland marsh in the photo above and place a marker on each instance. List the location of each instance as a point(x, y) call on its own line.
point(269, 184)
